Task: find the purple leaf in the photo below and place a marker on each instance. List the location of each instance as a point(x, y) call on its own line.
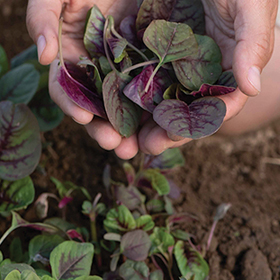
point(190, 12)
point(175, 191)
point(135, 90)
point(227, 79)
point(93, 38)
point(130, 196)
point(128, 29)
point(122, 113)
point(135, 245)
point(129, 172)
point(201, 118)
point(64, 201)
point(20, 144)
point(201, 67)
point(80, 89)
point(209, 90)
point(117, 46)
point(73, 234)
point(169, 159)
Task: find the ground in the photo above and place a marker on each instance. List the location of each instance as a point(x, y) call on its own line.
point(243, 171)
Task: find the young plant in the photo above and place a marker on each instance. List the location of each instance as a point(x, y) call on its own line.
point(25, 110)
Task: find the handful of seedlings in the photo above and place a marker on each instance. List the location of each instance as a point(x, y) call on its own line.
point(158, 61)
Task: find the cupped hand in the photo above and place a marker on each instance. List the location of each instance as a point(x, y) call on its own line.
point(244, 31)
point(42, 23)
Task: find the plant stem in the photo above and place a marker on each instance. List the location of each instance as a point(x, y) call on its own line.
point(94, 239)
point(152, 77)
point(60, 42)
point(106, 47)
point(142, 64)
point(211, 234)
point(129, 44)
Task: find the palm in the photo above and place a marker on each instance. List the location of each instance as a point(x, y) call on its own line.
point(219, 26)
point(74, 16)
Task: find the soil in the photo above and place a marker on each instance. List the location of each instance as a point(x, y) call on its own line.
point(243, 171)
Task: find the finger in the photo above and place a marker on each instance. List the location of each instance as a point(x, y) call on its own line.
point(103, 132)
point(234, 102)
point(154, 140)
point(69, 108)
point(42, 24)
point(128, 148)
point(254, 27)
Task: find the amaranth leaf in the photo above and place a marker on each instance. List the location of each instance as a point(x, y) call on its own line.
point(201, 118)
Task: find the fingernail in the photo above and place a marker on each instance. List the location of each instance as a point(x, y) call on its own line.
point(77, 121)
point(41, 44)
point(254, 77)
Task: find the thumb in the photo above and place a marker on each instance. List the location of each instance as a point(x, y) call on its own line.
point(42, 23)
point(254, 29)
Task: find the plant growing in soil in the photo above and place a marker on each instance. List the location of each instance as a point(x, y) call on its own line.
point(156, 61)
point(25, 110)
point(136, 226)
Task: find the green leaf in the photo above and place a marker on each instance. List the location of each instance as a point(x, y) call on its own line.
point(20, 267)
point(48, 114)
point(119, 219)
point(20, 142)
point(41, 246)
point(131, 270)
point(155, 206)
point(105, 65)
point(29, 275)
point(161, 239)
point(25, 56)
point(145, 222)
point(93, 37)
point(1, 257)
point(43, 274)
point(93, 72)
point(170, 40)
point(168, 205)
point(16, 195)
point(181, 234)
point(18, 222)
point(47, 277)
point(15, 249)
point(88, 278)
point(202, 67)
point(169, 159)
point(13, 275)
point(158, 181)
point(20, 84)
point(115, 259)
point(135, 245)
point(70, 260)
point(59, 223)
point(156, 275)
point(4, 63)
point(195, 267)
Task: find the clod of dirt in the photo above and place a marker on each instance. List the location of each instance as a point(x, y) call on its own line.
point(255, 266)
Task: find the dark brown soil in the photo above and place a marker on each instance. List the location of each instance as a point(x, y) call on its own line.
point(239, 171)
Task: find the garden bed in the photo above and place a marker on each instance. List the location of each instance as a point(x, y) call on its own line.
point(246, 243)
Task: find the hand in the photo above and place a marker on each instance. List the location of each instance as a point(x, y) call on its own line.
point(244, 31)
point(42, 23)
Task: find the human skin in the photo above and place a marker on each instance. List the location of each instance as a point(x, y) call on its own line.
point(245, 41)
